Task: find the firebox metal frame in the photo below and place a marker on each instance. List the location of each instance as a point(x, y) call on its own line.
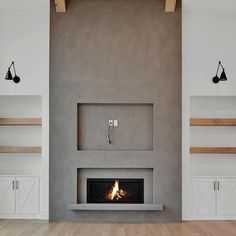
point(139, 197)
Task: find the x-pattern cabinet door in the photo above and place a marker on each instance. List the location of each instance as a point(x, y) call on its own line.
point(203, 196)
point(7, 195)
point(27, 195)
point(226, 197)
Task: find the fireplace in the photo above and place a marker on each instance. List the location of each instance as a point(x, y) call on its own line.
point(104, 190)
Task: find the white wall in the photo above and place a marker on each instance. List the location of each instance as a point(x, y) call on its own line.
point(24, 38)
point(208, 35)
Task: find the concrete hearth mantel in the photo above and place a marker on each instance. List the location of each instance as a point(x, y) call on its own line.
point(115, 207)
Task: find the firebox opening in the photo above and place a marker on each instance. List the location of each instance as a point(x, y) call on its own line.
point(115, 190)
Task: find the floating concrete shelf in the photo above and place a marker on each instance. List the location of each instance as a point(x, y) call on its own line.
point(115, 207)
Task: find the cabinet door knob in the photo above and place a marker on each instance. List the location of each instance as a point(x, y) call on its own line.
point(218, 186)
point(13, 184)
point(214, 185)
point(17, 185)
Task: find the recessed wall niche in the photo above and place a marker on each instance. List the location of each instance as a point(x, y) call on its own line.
point(133, 133)
point(85, 174)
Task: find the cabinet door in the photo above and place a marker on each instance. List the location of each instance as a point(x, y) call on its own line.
point(226, 197)
point(27, 195)
point(7, 195)
point(203, 197)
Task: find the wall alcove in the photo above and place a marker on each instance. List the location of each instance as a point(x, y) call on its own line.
point(134, 131)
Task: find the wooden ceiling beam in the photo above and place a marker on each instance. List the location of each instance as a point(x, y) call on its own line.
point(170, 5)
point(60, 5)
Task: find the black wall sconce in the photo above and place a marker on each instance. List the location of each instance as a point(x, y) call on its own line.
point(16, 78)
point(222, 77)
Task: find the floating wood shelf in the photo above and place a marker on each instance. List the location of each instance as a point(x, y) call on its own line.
point(20, 149)
point(20, 121)
point(212, 150)
point(212, 122)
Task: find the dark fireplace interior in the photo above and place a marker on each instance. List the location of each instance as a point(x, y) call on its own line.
point(115, 190)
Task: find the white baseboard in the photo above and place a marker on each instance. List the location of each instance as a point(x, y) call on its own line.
point(44, 214)
point(212, 218)
point(185, 215)
point(21, 217)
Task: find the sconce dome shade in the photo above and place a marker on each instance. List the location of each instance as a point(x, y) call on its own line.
point(223, 76)
point(215, 79)
point(8, 75)
point(16, 79)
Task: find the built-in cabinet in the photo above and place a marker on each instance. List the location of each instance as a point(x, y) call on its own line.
point(214, 197)
point(210, 159)
point(19, 195)
point(21, 154)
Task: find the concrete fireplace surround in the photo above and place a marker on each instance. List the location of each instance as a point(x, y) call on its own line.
point(143, 173)
point(116, 52)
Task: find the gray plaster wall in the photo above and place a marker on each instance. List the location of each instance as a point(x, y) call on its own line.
point(115, 51)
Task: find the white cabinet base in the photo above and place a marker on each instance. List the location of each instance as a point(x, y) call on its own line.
point(19, 197)
point(7, 195)
point(213, 198)
point(203, 197)
point(226, 197)
point(27, 195)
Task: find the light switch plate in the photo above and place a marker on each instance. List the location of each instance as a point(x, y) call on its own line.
point(116, 123)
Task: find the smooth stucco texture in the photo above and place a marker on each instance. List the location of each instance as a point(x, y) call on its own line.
point(115, 51)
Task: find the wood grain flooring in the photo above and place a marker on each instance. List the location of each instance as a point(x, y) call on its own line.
point(44, 228)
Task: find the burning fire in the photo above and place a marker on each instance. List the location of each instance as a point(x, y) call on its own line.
point(116, 193)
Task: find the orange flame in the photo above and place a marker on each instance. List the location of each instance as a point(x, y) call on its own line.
point(116, 193)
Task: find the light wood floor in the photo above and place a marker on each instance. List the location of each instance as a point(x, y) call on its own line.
point(43, 228)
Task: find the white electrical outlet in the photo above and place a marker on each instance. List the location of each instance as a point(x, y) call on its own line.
point(116, 123)
point(110, 122)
